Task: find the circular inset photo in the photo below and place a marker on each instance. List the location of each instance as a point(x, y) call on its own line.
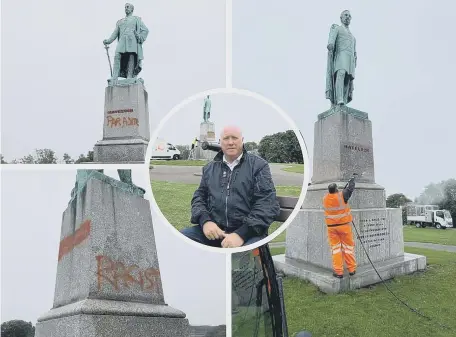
point(229, 170)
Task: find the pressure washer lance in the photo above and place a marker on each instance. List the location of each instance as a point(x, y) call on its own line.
point(383, 281)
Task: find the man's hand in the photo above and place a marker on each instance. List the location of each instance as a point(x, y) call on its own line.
point(138, 38)
point(105, 42)
point(330, 47)
point(212, 231)
point(232, 240)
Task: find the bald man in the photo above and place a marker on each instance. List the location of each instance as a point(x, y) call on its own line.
point(236, 201)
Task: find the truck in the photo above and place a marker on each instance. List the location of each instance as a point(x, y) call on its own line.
point(428, 215)
point(164, 150)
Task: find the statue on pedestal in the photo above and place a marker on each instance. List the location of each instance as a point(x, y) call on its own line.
point(130, 33)
point(207, 109)
point(341, 63)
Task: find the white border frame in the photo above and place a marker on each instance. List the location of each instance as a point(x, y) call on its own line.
point(305, 155)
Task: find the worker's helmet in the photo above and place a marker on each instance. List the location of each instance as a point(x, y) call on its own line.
point(332, 188)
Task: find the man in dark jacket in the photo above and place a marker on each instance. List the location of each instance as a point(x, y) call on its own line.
point(236, 201)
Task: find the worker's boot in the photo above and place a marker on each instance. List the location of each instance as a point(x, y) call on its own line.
point(352, 272)
point(338, 275)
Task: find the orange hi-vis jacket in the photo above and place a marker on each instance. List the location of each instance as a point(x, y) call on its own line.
point(337, 211)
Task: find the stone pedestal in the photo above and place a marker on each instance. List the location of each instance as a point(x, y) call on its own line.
point(108, 277)
point(126, 130)
point(207, 134)
point(343, 146)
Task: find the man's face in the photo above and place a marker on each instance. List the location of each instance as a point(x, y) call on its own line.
point(231, 142)
point(345, 17)
point(128, 8)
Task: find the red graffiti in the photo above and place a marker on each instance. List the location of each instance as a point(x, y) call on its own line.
point(119, 276)
point(71, 241)
point(120, 122)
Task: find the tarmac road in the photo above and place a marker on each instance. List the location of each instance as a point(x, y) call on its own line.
point(186, 174)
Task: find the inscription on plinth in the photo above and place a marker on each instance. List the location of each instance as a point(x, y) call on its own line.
point(356, 158)
point(374, 232)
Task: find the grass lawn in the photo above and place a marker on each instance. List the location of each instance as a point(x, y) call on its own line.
point(295, 168)
point(411, 234)
point(178, 162)
point(174, 202)
point(374, 311)
point(174, 199)
point(430, 235)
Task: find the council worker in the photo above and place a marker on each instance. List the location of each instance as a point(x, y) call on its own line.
point(338, 220)
point(236, 201)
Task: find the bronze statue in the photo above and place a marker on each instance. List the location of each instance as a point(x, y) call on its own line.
point(130, 33)
point(207, 109)
point(341, 63)
point(124, 175)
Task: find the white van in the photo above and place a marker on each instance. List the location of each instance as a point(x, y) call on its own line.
point(164, 150)
point(441, 219)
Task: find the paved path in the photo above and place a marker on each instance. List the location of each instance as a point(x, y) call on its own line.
point(186, 174)
point(433, 246)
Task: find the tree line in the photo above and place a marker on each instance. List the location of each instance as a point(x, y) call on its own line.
point(280, 147)
point(48, 156)
point(17, 328)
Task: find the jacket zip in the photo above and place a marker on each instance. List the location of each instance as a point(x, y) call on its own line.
point(226, 198)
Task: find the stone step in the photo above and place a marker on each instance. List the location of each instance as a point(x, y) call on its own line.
point(365, 275)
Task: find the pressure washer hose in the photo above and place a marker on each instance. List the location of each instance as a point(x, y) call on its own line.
point(392, 293)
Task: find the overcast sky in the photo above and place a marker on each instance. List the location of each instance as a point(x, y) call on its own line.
point(405, 79)
point(33, 202)
point(255, 118)
point(55, 68)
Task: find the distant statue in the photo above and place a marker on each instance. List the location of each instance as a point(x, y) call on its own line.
point(207, 109)
point(341, 64)
point(124, 175)
point(130, 33)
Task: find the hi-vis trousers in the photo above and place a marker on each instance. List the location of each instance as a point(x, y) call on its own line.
point(342, 247)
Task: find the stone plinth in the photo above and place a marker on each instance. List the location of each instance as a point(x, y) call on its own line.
point(366, 196)
point(343, 146)
point(207, 134)
point(307, 239)
point(102, 318)
point(108, 277)
point(126, 130)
